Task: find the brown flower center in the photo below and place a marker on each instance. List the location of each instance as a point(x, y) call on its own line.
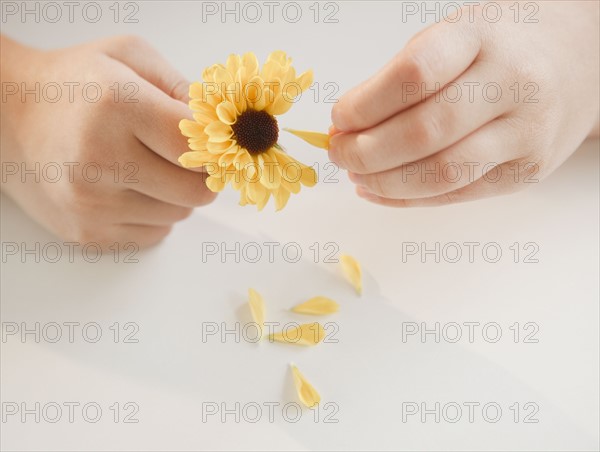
point(256, 131)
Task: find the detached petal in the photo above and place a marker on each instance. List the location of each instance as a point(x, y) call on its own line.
point(317, 306)
point(305, 334)
point(317, 139)
point(306, 393)
point(352, 270)
point(257, 307)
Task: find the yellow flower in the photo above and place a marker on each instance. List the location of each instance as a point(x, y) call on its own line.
point(234, 132)
point(307, 394)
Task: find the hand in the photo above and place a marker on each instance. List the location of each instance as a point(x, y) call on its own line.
point(116, 152)
point(465, 141)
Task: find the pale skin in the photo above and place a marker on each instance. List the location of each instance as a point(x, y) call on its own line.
point(141, 202)
point(419, 150)
point(379, 131)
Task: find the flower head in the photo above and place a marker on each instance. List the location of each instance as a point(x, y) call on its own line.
point(235, 131)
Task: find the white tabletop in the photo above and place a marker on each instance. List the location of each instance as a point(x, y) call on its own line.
point(370, 375)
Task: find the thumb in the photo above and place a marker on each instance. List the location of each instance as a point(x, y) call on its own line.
point(149, 64)
point(158, 132)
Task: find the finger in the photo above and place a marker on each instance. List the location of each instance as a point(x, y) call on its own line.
point(432, 59)
point(131, 236)
point(148, 63)
point(160, 97)
point(501, 183)
point(423, 130)
point(448, 170)
point(137, 208)
point(155, 122)
point(167, 182)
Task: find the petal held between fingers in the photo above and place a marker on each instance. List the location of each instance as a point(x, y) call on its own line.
point(317, 139)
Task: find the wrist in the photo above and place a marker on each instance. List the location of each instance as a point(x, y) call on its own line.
point(16, 73)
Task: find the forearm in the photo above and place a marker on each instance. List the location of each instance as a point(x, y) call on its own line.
point(13, 58)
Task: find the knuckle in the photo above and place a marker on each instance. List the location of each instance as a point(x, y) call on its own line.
point(426, 130)
point(415, 67)
point(179, 90)
point(347, 114)
point(183, 213)
point(77, 197)
point(356, 158)
point(449, 175)
point(84, 231)
point(380, 183)
point(198, 195)
point(130, 42)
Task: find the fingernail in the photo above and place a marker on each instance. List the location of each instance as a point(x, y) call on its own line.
point(335, 118)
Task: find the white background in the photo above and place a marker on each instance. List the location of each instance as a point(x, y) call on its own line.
point(171, 294)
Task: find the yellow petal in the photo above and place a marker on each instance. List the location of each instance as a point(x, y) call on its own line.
point(233, 63)
point(280, 56)
point(218, 132)
point(306, 393)
point(219, 147)
point(256, 191)
point(250, 62)
point(305, 80)
point(352, 271)
point(309, 176)
point(191, 129)
point(204, 117)
point(270, 176)
point(215, 183)
point(318, 139)
point(257, 307)
point(226, 112)
point(198, 143)
point(317, 306)
point(236, 97)
point(305, 334)
point(261, 203)
point(292, 187)
point(281, 105)
point(193, 159)
point(222, 76)
point(208, 75)
point(282, 195)
point(204, 93)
